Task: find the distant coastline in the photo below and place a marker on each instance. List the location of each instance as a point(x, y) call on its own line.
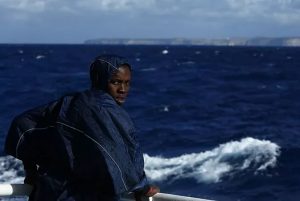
point(258, 41)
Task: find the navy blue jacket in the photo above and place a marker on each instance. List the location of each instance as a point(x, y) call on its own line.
point(80, 147)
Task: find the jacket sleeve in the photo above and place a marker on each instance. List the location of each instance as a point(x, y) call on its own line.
point(25, 123)
point(37, 118)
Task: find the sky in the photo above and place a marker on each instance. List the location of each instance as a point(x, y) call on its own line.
point(74, 21)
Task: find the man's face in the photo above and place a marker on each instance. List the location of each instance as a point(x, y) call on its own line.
point(119, 84)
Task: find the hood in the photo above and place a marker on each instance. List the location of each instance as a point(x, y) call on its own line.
point(102, 69)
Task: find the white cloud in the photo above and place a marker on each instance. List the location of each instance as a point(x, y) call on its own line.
point(155, 18)
point(115, 5)
point(23, 5)
point(210, 8)
point(272, 9)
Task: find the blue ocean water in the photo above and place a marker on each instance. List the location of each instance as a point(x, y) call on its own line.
point(221, 123)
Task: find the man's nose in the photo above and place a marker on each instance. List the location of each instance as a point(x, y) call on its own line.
point(122, 88)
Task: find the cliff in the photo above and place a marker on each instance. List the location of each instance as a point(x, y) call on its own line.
point(259, 41)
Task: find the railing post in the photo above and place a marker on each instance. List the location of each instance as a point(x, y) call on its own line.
point(15, 189)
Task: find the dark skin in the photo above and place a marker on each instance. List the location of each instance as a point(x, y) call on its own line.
point(119, 84)
point(118, 88)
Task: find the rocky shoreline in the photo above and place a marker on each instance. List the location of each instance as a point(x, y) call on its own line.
point(258, 41)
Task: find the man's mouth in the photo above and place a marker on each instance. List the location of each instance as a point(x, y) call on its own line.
point(121, 98)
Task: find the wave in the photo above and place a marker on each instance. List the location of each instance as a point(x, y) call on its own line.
point(211, 166)
point(208, 167)
point(11, 170)
point(38, 57)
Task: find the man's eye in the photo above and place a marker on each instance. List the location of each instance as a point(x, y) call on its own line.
point(115, 82)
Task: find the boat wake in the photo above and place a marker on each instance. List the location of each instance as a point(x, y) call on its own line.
point(11, 170)
point(210, 166)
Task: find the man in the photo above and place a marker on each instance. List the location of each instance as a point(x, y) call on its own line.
point(83, 147)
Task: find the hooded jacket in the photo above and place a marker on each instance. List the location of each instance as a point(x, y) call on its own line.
point(79, 143)
point(80, 147)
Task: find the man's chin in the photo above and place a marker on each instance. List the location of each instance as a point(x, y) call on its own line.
point(120, 101)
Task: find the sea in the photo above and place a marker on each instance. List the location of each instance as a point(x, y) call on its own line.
point(219, 123)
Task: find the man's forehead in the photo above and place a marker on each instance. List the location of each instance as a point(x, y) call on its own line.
point(123, 71)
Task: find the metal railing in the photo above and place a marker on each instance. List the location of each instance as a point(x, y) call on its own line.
point(10, 190)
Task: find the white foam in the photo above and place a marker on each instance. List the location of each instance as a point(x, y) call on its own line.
point(148, 69)
point(187, 63)
point(39, 57)
point(11, 170)
point(165, 52)
point(166, 108)
point(211, 166)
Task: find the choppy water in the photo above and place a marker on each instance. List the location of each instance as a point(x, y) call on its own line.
point(215, 122)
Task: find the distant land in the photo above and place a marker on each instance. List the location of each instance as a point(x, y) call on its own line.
point(258, 41)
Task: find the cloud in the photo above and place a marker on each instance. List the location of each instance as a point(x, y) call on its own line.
point(276, 9)
point(23, 5)
point(281, 11)
point(150, 18)
point(115, 5)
